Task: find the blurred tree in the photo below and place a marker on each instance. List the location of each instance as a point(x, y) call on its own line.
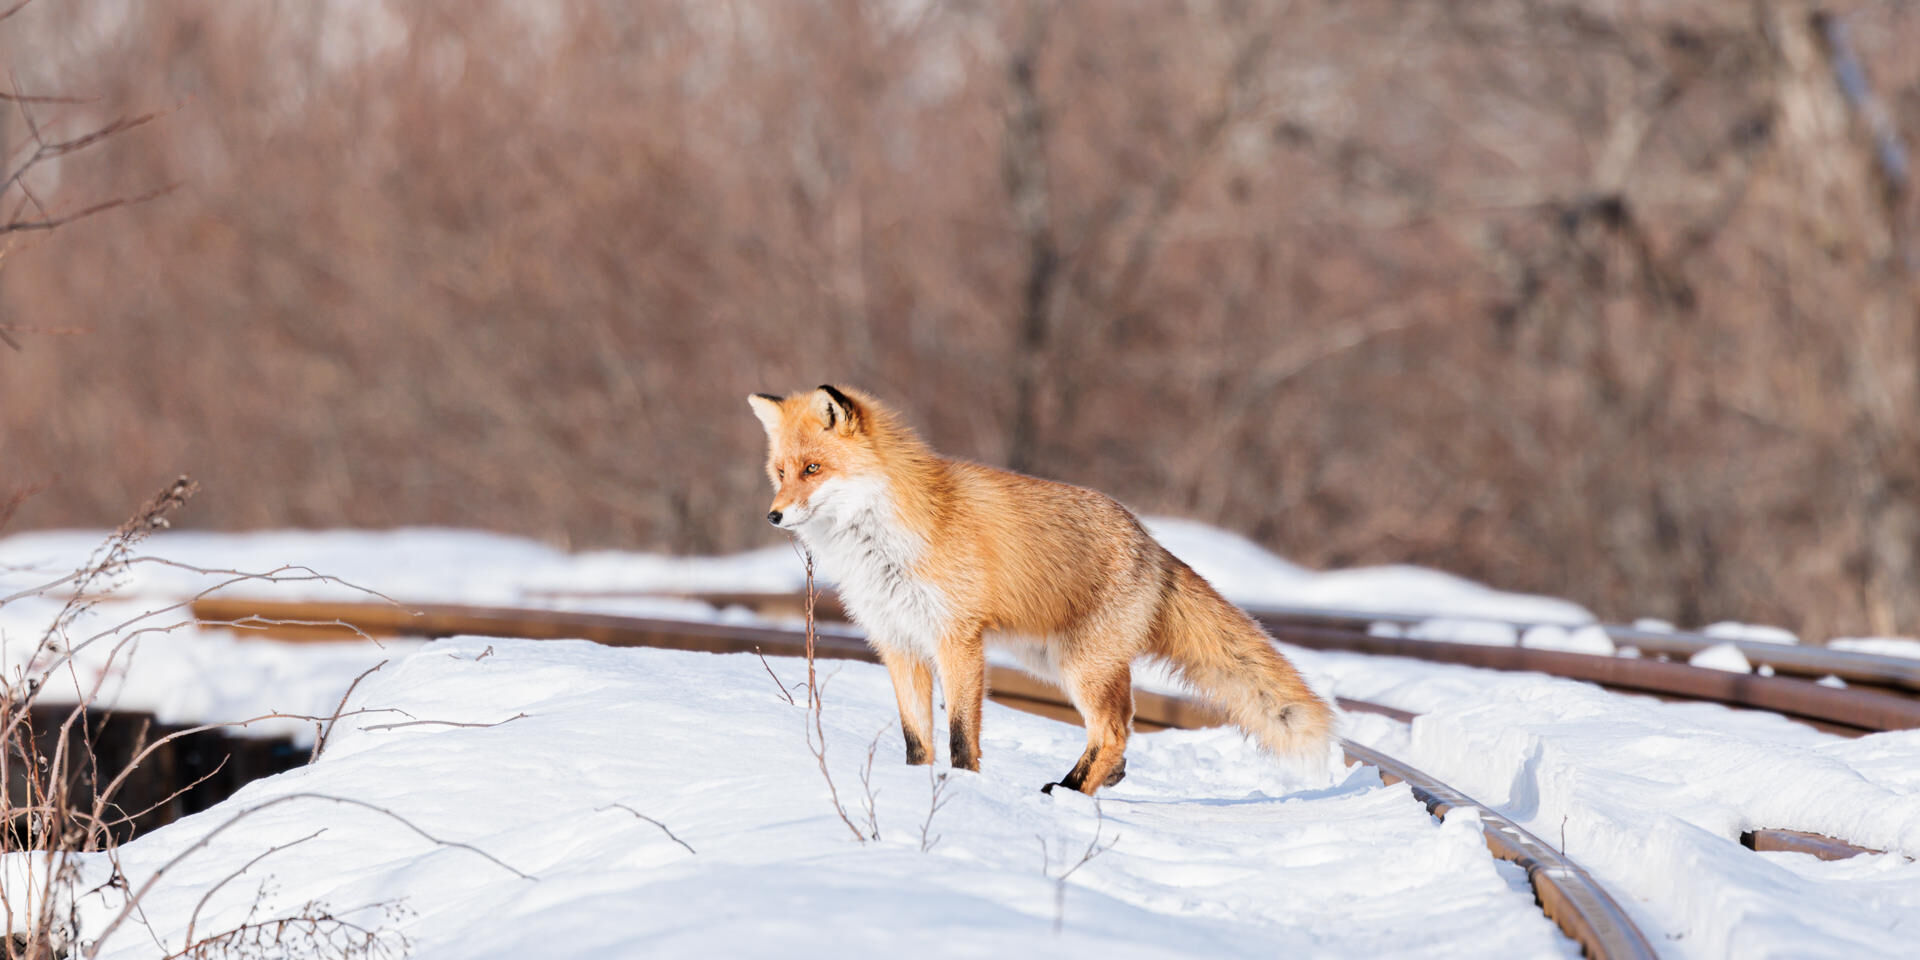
point(1606, 302)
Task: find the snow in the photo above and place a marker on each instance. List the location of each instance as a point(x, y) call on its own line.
point(1215, 850)
point(1750, 633)
point(1883, 646)
point(1589, 639)
point(1722, 656)
point(1653, 797)
point(1449, 630)
point(1220, 850)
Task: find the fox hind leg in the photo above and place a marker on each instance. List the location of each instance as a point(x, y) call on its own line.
point(1105, 701)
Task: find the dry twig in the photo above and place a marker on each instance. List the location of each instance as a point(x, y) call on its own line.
point(662, 826)
point(816, 733)
point(1094, 849)
point(776, 678)
point(937, 785)
point(871, 796)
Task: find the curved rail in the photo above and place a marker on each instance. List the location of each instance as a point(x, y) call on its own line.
point(1570, 897)
point(1565, 892)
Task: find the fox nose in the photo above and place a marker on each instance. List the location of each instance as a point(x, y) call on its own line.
point(773, 517)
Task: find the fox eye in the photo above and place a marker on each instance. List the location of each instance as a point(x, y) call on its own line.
point(781, 472)
point(812, 468)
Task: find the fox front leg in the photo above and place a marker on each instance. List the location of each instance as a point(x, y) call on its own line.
point(963, 680)
point(913, 688)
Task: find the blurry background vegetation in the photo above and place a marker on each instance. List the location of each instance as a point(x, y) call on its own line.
point(1609, 300)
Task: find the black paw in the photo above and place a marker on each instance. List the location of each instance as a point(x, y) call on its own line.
point(1048, 789)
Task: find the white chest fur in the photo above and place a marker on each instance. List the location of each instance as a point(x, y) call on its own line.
point(862, 546)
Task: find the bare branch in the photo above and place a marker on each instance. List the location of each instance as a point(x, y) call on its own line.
point(194, 917)
point(85, 212)
point(320, 737)
point(1094, 849)
point(776, 679)
point(815, 732)
point(160, 872)
point(936, 798)
point(870, 797)
point(442, 723)
point(662, 826)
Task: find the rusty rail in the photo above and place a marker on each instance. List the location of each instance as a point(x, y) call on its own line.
point(1842, 711)
point(1894, 673)
point(1566, 893)
point(1800, 841)
point(1889, 706)
point(1898, 673)
point(1570, 897)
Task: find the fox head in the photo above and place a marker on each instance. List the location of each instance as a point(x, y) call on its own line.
point(820, 454)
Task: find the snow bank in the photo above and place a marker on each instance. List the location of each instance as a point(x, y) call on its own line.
point(1216, 850)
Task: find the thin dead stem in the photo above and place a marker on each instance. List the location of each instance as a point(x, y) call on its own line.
point(776, 678)
point(937, 785)
point(135, 897)
point(871, 796)
point(322, 733)
point(442, 723)
point(1094, 849)
point(816, 733)
point(662, 826)
point(194, 918)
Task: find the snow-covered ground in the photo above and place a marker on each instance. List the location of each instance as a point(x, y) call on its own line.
point(1216, 850)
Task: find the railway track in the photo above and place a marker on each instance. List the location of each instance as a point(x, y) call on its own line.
point(1568, 895)
point(1885, 695)
point(1882, 693)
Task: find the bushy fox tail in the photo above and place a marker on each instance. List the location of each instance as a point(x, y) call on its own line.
point(1230, 660)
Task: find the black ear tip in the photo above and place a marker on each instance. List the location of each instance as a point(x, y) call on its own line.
point(768, 396)
point(838, 397)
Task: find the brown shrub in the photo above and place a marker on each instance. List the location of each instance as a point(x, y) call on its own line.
point(1607, 303)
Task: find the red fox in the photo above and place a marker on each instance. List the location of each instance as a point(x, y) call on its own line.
point(937, 558)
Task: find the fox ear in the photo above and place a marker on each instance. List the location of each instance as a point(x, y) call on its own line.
point(838, 411)
point(766, 406)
